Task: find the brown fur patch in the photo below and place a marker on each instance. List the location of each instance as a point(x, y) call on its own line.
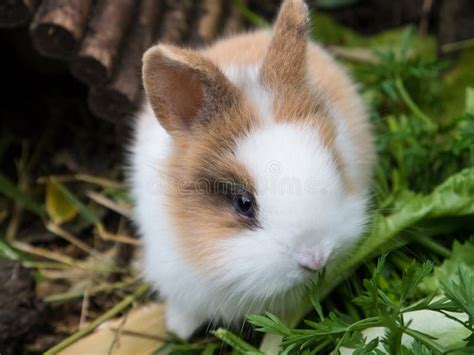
point(284, 65)
point(201, 162)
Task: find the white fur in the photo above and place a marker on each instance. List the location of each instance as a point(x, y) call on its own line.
point(305, 217)
point(303, 211)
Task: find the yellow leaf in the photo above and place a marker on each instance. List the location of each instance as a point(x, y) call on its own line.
point(140, 332)
point(59, 208)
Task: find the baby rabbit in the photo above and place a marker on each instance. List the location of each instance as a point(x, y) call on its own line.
point(251, 167)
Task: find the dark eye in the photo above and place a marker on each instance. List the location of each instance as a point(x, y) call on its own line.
point(244, 205)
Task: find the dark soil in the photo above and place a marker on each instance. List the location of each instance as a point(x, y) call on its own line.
point(22, 314)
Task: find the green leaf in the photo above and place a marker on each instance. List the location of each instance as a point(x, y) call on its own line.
point(365, 348)
point(455, 82)
point(405, 41)
point(328, 31)
point(470, 100)
point(461, 293)
point(235, 342)
point(426, 339)
point(461, 256)
point(269, 323)
point(332, 4)
point(412, 277)
point(249, 15)
point(392, 339)
point(210, 349)
point(451, 198)
point(8, 252)
point(331, 325)
point(416, 348)
point(9, 189)
point(314, 291)
point(58, 205)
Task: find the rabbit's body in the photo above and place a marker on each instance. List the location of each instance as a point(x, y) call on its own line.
point(294, 143)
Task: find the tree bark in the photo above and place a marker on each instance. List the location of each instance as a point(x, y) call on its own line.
point(207, 26)
point(176, 21)
point(59, 25)
point(235, 21)
point(15, 13)
point(120, 97)
point(97, 54)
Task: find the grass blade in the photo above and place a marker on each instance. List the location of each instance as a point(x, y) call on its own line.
point(10, 190)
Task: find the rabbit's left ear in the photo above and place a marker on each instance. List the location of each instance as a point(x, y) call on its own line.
point(185, 90)
point(284, 64)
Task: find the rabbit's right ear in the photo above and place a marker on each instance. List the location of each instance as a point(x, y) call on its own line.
point(284, 65)
point(185, 90)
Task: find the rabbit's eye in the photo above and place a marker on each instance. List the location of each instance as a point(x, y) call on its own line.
point(244, 205)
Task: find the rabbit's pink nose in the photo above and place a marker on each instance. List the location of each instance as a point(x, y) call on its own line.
point(311, 261)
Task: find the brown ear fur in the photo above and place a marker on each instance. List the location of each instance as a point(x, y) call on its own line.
point(184, 88)
point(285, 62)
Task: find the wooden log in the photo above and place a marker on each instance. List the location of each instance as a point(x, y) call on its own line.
point(120, 97)
point(59, 26)
point(235, 20)
point(95, 60)
point(177, 20)
point(210, 17)
point(15, 13)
